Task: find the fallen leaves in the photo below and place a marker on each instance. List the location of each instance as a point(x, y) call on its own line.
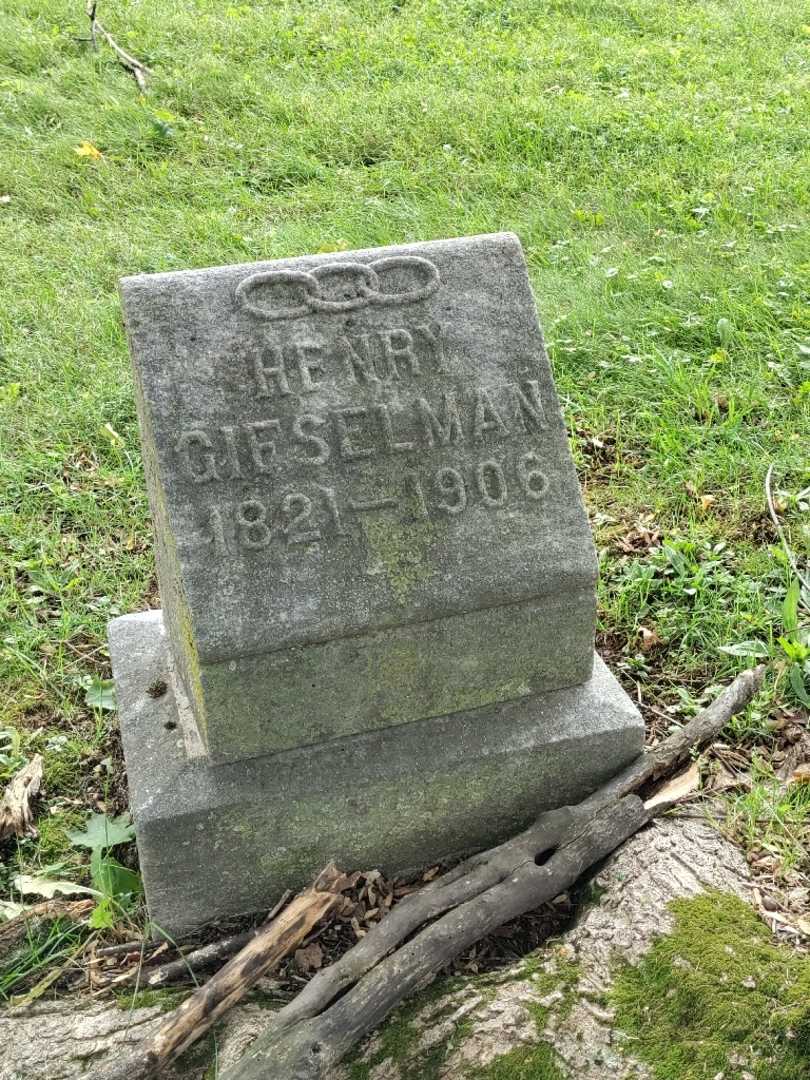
point(30, 885)
point(642, 537)
point(309, 958)
point(801, 774)
point(649, 639)
point(86, 149)
point(109, 431)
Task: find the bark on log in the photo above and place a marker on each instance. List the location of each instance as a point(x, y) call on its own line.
point(16, 814)
point(205, 1006)
point(350, 998)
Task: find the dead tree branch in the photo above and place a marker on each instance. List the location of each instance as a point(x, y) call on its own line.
point(137, 70)
point(26, 924)
point(350, 998)
point(171, 972)
point(200, 1011)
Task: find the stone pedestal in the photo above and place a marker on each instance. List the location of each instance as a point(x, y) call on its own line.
point(221, 840)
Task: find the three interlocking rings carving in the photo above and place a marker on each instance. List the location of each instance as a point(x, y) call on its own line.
point(364, 278)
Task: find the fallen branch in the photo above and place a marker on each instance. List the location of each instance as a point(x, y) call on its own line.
point(701, 730)
point(200, 1011)
point(347, 1000)
point(136, 69)
point(185, 969)
point(16, 814)
point(26, 923)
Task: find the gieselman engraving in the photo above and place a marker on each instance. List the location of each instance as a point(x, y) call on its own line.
point(453, 417)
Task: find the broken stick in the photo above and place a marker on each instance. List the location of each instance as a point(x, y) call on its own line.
point(200, 1011)
point(351, 997)
point(137, 70)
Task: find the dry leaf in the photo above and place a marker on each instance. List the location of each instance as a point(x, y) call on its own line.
point(10, 910)
point(86, 149)
point(48, 887)
point(804, 926)
point(678, 787)
point(309, 958)
point(722, 779)
point(649, 639)
point(707, 501)
point(642, 537)
point(112, 434)
point(801, 774)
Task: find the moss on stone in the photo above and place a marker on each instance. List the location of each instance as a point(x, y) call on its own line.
point(403, 549)
point(717, 996)
point(563, 980)
point(401, 1035)
point(167, 998)
point(524, 1063)
point(190, 660)
point(199, 1055)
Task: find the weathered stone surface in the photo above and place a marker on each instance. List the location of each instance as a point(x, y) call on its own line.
point(365, 505)
point(216, 841)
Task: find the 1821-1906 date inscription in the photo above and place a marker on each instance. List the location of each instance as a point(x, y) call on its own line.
point(297, 519)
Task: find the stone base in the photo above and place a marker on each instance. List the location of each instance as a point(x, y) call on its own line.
point(216, 841)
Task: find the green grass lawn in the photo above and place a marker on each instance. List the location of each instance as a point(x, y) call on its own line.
point(653, 158)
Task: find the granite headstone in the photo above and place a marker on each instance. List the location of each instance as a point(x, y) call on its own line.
point(377, 576)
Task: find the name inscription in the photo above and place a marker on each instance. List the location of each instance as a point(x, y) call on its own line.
point(361, 432)
point(415, 423)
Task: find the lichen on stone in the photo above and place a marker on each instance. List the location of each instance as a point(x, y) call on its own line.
point(403, 551)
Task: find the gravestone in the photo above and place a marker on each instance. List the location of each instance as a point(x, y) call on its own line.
point(376, 572)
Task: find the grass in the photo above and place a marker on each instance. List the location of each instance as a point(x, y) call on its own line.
point(653, 159)
point(772, 818)
point(49, 944)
